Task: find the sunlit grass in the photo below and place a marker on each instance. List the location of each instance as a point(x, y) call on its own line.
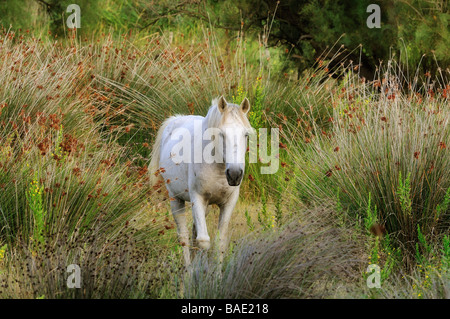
point(77, 121)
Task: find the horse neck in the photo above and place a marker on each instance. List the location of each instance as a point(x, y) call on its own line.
point(206, 125)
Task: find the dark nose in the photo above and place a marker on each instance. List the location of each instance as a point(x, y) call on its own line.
point(234, 176)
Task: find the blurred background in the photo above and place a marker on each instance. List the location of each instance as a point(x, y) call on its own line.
point(417, 31)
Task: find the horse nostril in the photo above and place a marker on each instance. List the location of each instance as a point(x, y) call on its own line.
point(234, 176)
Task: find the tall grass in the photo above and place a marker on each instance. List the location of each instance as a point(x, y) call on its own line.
point(60, 176)
point(110, 267)
point(307, 258)
point(77, 120)
point(385, 144)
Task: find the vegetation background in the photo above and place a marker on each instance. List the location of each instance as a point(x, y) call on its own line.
point(363, 115)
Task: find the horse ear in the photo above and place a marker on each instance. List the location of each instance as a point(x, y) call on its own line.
point(222, 104)
point(245, 106)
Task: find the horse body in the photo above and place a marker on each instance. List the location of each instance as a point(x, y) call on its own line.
point(207, 180)
point(203, 183)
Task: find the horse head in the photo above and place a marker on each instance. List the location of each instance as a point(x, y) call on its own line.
point(233, 129)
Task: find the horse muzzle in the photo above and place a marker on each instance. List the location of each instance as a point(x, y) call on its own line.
point(234, 176)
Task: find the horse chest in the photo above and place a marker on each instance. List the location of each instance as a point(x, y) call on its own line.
point(212, 186)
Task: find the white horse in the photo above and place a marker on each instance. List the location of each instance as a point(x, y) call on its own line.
point(213, 177)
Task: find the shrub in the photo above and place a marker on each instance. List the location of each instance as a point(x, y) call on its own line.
point(299, 260)
point(383, 142)
point(110, 267)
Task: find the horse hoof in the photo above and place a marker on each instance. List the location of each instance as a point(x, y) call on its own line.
point(203, 243)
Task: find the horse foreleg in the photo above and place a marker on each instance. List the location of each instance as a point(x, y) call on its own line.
point(199, 215)
point(194, 230)
point(226, 211)
point(179, 214)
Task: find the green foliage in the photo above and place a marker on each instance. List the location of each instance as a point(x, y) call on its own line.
point(35, 201)
point(248, 219)
point(121, 15)
point(58, 151)
point(371, 217)
point(341, 214)
point(279, 202)
point(256, 114)
point(2, 252)
point(445, 251)
point(367, 150)
point(423, 33)
point(241, 93)
point(442, 207)
point(404, 193)
point(382, 252)
point(393, 256)
point(306, 29)
point(422, 243)
point(24, 14)
point(385, 255)
point(264, 218)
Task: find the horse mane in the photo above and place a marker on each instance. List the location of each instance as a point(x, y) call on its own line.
point(215, 117)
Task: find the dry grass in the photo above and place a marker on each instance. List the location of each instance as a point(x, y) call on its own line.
point(386, 145)
point(76, 122)
point(307, 258)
